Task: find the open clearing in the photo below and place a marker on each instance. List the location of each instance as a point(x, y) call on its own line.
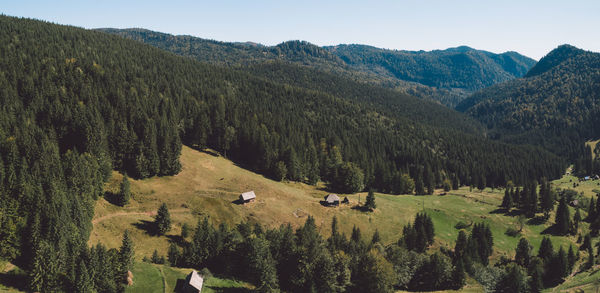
point(208, 185)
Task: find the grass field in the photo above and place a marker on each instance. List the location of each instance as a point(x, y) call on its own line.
point(208, 185)
point(589, 188)
point(150, 278)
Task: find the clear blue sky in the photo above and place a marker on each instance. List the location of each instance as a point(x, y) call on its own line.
point(529, 27)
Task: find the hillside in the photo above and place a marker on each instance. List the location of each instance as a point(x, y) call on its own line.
point(208, 185)
point(446, 76)
point(76, 104)
point(556, 106)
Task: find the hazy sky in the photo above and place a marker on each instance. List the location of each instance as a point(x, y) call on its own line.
point(529, 27)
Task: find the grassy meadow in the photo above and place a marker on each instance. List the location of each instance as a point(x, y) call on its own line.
point(150, 278)
point(208, 186)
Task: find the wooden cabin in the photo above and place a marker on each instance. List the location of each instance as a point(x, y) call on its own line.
point(247, 197)
point(193, 283)
point(332, 200)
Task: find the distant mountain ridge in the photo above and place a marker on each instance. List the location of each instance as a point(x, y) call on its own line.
point(446, 76)
point(557, 104)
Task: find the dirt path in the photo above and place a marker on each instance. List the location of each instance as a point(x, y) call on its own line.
point(162, 275)
point(120, 214)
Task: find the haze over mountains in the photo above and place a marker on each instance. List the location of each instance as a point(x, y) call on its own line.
point(447, 76)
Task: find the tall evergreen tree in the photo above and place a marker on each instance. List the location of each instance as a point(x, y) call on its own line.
point(126, 256)
point(370, 201)
point(546, 251)
point(124, 192)
point(536, 275)
point(522, 255)
point(563, 218)
point(162, 221)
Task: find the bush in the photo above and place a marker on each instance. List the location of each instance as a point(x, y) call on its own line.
point(512, 232)
point(206, 274)
point(461, 225)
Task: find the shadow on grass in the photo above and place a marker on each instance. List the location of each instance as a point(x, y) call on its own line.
point(238, 202)
point(14, 279)
point(229, 290)
point(537, 220)
point(499, 211)
point(361, 208)
point(177, 239)
point(147, 226)
point(111, 197)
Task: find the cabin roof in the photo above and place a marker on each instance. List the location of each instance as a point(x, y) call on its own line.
point(248, 195)
point(195, 280)
point(331, 198)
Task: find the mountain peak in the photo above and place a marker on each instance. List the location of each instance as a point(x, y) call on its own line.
point(554, 58)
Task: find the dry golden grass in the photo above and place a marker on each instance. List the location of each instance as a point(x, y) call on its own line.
point(208, 185)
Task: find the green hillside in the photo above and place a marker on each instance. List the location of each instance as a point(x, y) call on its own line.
point(208, 186)
point(446, 76)
point(556, 106)
point(79, 107)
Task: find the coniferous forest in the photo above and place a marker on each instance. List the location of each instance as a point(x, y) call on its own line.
point(77, 104)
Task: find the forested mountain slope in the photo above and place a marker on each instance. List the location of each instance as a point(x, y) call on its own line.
point(557, 105)
point(446, 76)
point(75, 104)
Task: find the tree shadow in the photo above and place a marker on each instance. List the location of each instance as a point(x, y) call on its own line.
point(147, 226)
point(177, 239)
point(14, 279)
point(361, 208)
point(537, 220)
point(111, 197)
point(551, 231)
point(499, 211)
point(229, 290)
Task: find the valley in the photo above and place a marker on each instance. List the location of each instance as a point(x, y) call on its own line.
point(124, 154)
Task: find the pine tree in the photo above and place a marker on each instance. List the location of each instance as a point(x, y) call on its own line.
point(546, 199)
point(124, 192)
point(514, 280)
point(536, 275)
point(507, 200)
point(576, 220)
point(458, 275)
point(162, 221)
point(460, 248)
point(522, 254)
point(376, 238)
point(370, 201)
point(562, 219)
point(126, 256)
point(591, 215)
point(546, 251)
point(571, 258)
point(83, 282)
point(173, 255)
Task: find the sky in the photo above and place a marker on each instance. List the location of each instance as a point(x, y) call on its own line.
point(530, 27)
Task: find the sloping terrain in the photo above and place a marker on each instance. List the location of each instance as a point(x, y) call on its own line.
point(556, 106)
point(446, 76)
point(208, 186)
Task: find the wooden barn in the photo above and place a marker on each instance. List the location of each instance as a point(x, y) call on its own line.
point(332, 200)
point(247, 197)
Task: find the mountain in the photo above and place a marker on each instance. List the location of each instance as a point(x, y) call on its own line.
point(460, 68)
point(553, 59)
point(445, 76)
point(557, 104)
point(77, 104)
